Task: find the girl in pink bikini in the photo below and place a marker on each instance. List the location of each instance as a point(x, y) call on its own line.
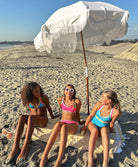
point(68, 124)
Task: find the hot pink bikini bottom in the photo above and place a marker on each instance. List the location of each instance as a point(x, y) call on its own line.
point(69, 122)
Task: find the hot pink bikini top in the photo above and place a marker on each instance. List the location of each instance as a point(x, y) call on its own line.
point(67, 108)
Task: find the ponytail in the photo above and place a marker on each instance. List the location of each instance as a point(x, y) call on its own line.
point(113, 96)
point(116, 105)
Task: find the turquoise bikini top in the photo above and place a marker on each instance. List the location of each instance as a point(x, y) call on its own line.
point(40, 104)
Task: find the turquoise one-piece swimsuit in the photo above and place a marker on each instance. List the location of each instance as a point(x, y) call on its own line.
point(100, 121)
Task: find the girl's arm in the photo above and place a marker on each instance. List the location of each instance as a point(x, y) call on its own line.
point(49, 107)
point(95, 108)
point(115, 116)
point(88, 120)
point(59, 100)
point(78, 106)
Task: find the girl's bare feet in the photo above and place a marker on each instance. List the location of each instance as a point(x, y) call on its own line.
point(23, 153)
point(14, 152)
point(13, 155)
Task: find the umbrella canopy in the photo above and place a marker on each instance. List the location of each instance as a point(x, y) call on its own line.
point(100, 22)
point(81, 25)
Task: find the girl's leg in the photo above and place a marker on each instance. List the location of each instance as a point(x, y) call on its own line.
point(19, 130)
point(105, 143)
point(65, 130)
point(92, 142)
point(50, 143)
point(33, 120)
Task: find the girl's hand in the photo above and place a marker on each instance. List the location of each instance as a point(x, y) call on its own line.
point(111, 128)
point(52, 117)
point(83, 130)
point(81, 122)
point(111, 125)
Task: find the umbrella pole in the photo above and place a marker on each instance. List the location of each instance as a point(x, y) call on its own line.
point(86, 70)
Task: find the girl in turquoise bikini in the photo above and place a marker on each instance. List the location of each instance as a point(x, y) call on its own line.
point(101, 119)
point(37, 102)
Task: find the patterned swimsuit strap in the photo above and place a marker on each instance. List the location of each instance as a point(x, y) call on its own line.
point(74, 103)
point(111, 112)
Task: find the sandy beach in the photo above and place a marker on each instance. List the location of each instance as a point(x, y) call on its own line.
point(110, 67)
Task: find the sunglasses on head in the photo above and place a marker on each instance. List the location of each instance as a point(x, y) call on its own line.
point(71, 90)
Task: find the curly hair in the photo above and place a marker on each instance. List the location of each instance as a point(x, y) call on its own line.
point(113, 96)
point(26, 93)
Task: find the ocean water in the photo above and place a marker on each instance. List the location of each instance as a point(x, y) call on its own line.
point(4, 46)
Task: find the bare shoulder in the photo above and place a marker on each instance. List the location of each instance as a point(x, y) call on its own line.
point(116, 113)
point(77, 101)
point(98, 105)
point(59, 98)
point(95, 108)
point(45, 99)
point(44, 96)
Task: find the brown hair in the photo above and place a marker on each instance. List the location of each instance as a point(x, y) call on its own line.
point(113, 96)
point(26, 93)
point(74, 95)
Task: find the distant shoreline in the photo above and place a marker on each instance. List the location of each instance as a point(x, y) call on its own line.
point(31, 42)
point(9, 44)
point(15, 42)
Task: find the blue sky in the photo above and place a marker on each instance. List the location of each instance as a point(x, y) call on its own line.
point(21, 20)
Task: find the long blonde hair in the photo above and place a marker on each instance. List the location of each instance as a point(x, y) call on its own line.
point(113, 96)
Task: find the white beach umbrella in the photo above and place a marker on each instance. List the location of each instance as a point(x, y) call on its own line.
point(82, 25)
